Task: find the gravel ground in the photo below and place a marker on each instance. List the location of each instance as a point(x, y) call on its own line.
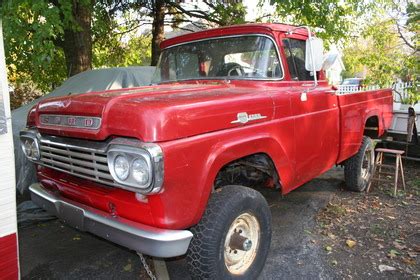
point(52, 250)
point(373, 235)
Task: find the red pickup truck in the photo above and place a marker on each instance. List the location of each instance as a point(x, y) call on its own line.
point(176, 167)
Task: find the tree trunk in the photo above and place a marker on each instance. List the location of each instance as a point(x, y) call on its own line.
point(158, 31)
point(77, 43)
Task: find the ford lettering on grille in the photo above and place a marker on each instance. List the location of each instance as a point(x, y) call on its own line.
point(70, 121)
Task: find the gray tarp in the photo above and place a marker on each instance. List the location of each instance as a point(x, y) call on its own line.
point(94, 80)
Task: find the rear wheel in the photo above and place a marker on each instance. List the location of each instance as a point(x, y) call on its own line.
point(358, 169)
point(233, 237)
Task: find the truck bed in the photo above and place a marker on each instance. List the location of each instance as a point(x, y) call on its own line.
point(373, 107)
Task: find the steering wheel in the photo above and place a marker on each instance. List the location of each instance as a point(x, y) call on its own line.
point(236, 70)
point(232, 69)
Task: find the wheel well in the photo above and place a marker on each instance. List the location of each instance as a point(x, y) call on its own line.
point(372, 127)
point(254, 170)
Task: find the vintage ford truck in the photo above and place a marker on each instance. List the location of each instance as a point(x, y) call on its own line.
point(175, 168)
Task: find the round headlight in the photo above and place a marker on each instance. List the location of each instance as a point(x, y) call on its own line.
point(34, 151)
point(27, 148)
point(30, 148)
point(121, 167)
point(140, 171)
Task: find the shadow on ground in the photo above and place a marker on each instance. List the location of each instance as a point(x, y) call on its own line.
point(52, 250)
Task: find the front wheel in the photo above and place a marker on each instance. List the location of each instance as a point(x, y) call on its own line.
point(358, 169)
point(233, 237)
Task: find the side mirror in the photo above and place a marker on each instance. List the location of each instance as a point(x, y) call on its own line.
point(315, 47)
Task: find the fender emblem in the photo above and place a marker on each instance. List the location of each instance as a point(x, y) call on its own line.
point(243, 117)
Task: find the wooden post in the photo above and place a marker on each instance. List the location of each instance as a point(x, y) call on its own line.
point(397, 168)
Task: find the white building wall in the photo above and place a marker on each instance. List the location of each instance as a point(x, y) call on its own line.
point(7, 163)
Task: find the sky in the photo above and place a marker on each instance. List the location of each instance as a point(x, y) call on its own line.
point(254, 11)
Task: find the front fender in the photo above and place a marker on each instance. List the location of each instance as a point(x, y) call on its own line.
point(223, 153)
point(192, 164)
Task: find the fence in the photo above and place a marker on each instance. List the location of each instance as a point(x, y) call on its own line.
point(342, 89)
point(401, 90)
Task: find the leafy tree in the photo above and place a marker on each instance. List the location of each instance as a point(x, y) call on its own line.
point(406, 15)
point(332, 18)
point(387, 47)
point(47, 41)
point(376, 54)
point(30, 31)
point(76, 42)
point(166, 12)
point(115, 53)
point(39, 28)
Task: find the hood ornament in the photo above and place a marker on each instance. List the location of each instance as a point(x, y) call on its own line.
point(243, 117)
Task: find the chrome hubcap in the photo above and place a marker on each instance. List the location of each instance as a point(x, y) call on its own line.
point(241, 243)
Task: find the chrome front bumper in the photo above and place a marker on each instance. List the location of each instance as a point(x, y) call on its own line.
point(148, 240)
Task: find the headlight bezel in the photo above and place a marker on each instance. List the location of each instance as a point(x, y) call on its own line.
point(35, 143)
point(151, 154)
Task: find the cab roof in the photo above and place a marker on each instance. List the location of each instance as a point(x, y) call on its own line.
point(249, 28)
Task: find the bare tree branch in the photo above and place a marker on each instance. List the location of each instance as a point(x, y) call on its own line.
point(403, 38)
point(195, 13)
point(211, 5)
point(132, 28)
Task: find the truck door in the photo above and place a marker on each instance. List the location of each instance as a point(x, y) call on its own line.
point(315, 113)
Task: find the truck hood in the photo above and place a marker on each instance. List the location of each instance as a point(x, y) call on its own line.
point(155, 113)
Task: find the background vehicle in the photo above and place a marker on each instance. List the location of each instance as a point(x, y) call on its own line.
point(175, 168)
point(353, 82)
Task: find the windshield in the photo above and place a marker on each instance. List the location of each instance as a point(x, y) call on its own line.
point(244, 57)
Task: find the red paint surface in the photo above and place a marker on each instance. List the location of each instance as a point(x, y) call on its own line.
point(9, 258)
point(192, 123)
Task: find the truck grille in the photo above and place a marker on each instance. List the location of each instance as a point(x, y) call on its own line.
point(87, 163)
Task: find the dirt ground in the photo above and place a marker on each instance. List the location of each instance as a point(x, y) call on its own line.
point(310, 229)
point(373, 235)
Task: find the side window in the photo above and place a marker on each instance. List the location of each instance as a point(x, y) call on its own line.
point(295, 56)
point(179, 66)
point(186, 65)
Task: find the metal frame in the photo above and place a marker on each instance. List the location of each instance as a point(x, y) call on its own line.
point(35, 140)
point(310, 46)
point(131, 154)
point(235, 36)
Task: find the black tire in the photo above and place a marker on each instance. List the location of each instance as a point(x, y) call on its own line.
point(206, 255)
point(358, 169)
